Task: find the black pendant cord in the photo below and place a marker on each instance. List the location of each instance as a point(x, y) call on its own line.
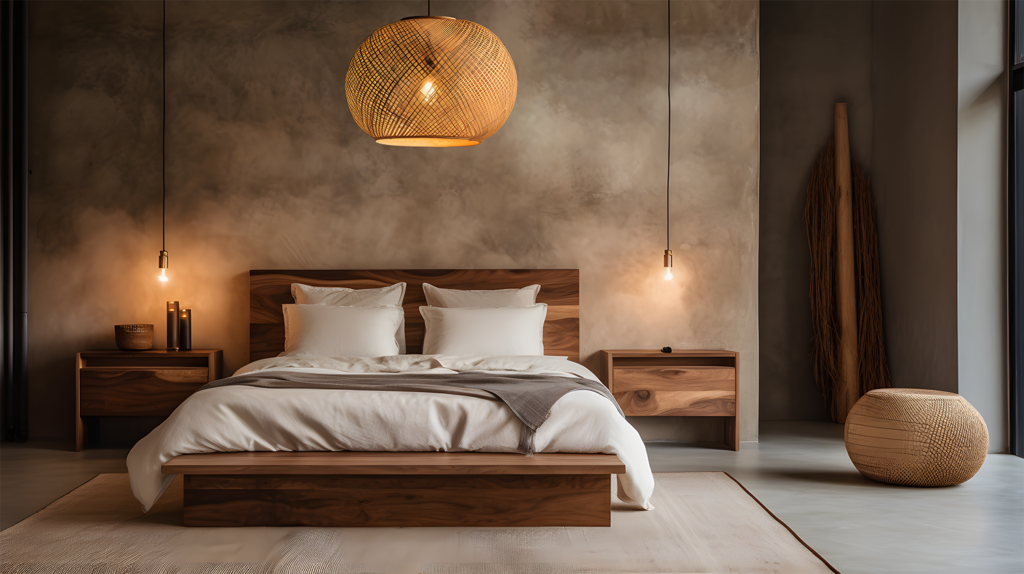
point(163, 129)
point(668, 172)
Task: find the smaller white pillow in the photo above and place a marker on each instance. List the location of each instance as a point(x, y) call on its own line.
point(328, 331)
point(450, 298)
point(484, 331)
point(345, 297)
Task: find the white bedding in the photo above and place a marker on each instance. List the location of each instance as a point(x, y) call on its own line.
point(241, 418)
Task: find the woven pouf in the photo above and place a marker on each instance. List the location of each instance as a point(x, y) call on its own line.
point(916, 437)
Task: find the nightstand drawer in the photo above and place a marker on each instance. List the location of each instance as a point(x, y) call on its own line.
point(677, 403)
point(676, 391)
point(138, 391)
point(670, 378)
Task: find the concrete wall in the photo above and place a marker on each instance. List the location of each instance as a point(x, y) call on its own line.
point(914, 170)
point(813, 54)
point(981, 189)
point(926, 90)
point(266, 169)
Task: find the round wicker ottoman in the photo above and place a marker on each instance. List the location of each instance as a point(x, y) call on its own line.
point(916, 437)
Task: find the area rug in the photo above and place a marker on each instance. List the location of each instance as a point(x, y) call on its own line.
point(702, 522)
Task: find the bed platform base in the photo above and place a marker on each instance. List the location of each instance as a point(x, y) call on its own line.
point(367, 489)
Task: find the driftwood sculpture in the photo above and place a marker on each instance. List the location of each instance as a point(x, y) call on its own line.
point(848, 349)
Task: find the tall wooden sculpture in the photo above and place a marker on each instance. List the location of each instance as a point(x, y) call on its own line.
point(848, 349)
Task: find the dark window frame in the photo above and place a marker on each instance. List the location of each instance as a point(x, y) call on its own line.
point(1015, 225)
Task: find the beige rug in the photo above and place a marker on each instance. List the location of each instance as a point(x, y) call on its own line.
point(702, 522)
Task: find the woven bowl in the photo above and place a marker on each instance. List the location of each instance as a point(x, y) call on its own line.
point(916, 437)
point(133, 337)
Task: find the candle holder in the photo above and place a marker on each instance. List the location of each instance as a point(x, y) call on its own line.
point(172, 326)
point(185, 330)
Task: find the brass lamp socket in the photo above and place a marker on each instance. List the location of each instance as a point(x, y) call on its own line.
point(163, 260)
point(668, 258)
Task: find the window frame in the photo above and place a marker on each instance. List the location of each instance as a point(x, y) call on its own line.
point(1015, 228)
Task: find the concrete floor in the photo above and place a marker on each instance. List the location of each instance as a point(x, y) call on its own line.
point(799, 470)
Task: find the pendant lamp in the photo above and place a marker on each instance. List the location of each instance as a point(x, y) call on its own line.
point(431, 81)
point(163, 146)
point(668, 175)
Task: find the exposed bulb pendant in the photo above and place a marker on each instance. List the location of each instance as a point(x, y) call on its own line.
point(163, 263)
point(431, 81)
point(163, 266)
point(668, 177)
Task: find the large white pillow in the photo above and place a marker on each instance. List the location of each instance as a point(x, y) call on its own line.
point(345, 297)
point(484, 331)
point(329, 331)
point(438, 297)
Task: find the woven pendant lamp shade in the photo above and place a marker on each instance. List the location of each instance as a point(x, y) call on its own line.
point(431, 81)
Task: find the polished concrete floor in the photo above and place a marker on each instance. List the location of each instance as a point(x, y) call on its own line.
point(800, 471)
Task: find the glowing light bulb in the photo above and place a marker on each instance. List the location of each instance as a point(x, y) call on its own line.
point(163, 275)
point(668, 274)
point(428, 90)
point(668, 264)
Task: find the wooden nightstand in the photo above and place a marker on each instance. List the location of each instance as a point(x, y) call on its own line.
point(681, 383)
point(138, 383)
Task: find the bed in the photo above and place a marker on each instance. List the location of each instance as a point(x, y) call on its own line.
point(262, 457)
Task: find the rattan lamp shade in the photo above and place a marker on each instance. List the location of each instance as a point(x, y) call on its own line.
point(431, 82)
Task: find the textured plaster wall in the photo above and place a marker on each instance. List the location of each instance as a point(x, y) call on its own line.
point(266, 169)
point(813, 54)
point(914, 90)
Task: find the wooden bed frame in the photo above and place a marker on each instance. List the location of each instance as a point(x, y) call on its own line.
point(406, 488)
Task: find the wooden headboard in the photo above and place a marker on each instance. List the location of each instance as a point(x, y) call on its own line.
point(560, 289)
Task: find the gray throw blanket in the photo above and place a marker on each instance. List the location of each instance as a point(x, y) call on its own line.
point(530, 397)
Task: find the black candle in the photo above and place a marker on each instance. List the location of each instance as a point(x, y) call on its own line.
point(172, 325)
point(185, 330)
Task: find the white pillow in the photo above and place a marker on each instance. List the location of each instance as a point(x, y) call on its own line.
point(484, 331)
point(329, 331)
point(438, 297)
point(345, 297)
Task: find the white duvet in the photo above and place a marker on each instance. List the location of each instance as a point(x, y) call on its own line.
point(241, 418)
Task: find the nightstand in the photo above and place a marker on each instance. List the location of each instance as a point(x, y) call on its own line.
point(138, 383)
point(681, 383)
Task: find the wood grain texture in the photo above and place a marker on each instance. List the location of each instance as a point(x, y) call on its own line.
point(675, 379)
point(654, 353)
point(678, 403)
point(846, 278)
point(112, 391)
point(392, 463)
point(398, 501)
point(732, 426)
point(138, 383)
point(647, 382)
point(211, 359)
point(269, 290)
